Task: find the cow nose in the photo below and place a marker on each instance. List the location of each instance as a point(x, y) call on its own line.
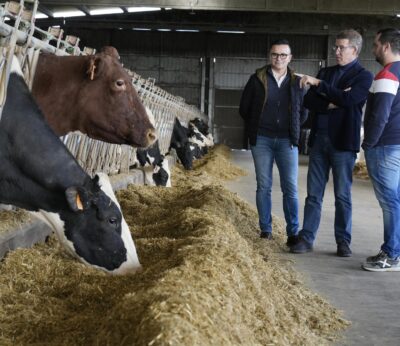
point(151, 136)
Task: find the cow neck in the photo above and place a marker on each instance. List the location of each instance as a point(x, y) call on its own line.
point(40, 160)
point(70, 72)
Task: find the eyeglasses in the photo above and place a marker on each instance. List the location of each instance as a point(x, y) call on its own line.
point(341, 48)
point(283, 56)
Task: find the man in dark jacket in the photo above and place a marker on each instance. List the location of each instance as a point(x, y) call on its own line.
point(271, 106)
point(336, 98)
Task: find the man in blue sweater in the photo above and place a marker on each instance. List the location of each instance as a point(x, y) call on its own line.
point(336, 98)
point(382, 147)
point(272, 109)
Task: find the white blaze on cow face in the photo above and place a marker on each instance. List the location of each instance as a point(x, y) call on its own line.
point(132, 264)
point(148, 175)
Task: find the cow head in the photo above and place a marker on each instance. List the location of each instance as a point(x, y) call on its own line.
point(200, 125)
point(93, 229)
point(109, 105)
point(185, 155)
point(162, 174)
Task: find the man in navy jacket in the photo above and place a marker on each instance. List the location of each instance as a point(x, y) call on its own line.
point(336, 98)
point(272, 109)
point(382, 147)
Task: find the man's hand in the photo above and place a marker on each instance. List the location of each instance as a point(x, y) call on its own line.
point(332, 106)
point(308, 81)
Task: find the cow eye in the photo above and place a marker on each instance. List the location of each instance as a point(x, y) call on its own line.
point(120, 83)
point(113, 221)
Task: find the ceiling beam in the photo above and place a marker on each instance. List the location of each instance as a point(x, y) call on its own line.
point(366, 7)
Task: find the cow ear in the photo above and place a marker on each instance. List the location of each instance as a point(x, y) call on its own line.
point(111, 51)
point(77, 199)
point(93, 67)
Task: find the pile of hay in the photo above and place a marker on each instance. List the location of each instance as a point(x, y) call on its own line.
point(360, 170)
point(213, 168)
point(207, 280)
point(13, 219)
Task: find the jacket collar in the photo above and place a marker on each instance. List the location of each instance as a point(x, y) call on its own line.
point(261, 73)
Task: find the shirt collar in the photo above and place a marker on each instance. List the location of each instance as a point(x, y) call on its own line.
point(347, 66)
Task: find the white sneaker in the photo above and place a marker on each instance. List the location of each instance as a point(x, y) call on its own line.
point(382, 263)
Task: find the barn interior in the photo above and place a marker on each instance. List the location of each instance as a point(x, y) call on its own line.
point(186, 45)
point(204, 52)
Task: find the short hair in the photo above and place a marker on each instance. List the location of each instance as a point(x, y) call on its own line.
point(280, 41)
point(354, 37)
point(392, 36)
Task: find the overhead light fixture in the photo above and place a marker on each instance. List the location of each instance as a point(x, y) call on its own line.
point(108, 10)
point(40, 15)
point(187, 30)
point(167, 8)
point(229, 32)
point(398, 15)
point(65, 14)
point(143, 9)
point(141, 29)
point(163, 29)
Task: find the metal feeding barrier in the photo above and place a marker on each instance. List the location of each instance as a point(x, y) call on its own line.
point(19, 36)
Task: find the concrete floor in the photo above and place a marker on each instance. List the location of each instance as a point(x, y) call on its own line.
point(371, 301)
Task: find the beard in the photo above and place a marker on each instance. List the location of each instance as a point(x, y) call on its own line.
point(379, 60)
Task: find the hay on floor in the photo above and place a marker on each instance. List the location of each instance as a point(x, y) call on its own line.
point(360, 170)
point(207, 280)
point(13, 219)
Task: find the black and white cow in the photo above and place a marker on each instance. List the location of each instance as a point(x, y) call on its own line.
point(200, 137)
point(154, 165)
point(202, 127)
point(39, 174)
point(197, 138)
point(180, 142)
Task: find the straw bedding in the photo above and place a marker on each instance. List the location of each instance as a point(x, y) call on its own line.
point(360, 170)
point(13, 219)
point(207, 280)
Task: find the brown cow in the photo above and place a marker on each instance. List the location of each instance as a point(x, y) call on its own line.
point(92, 94)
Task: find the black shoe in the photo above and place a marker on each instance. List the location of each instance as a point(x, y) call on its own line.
point(343, 249)
point(266, 235)
point(301, 247)
point(292, 240)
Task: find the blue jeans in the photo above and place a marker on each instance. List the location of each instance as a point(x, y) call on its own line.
point(383, 163)
point(323, 157)
point(265, 152)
